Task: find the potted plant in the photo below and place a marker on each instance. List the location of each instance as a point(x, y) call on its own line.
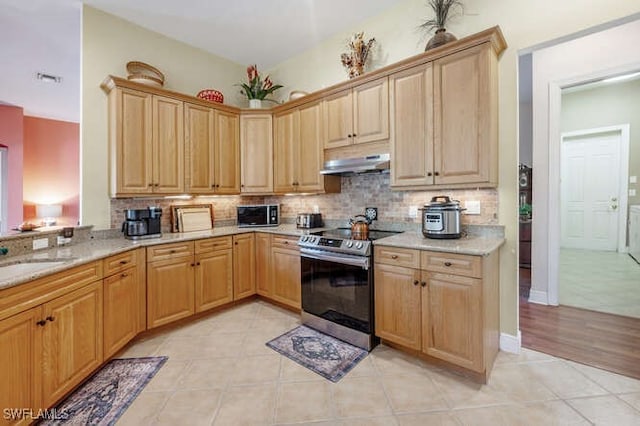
point(443, 10)
point(257, 89)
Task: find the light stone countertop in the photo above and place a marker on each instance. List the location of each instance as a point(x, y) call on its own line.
point(471, 244)
point(32, 266)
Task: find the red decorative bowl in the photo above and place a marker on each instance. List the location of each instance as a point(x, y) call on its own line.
point(211, 95)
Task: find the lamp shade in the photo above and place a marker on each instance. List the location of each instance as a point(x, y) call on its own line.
point(48, 210)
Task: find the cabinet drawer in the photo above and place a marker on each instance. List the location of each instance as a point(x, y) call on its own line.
point(120, 262)
point(169, 251)
point(397, 256)
point(450, 263)
point(213, 244)
point(285, 242)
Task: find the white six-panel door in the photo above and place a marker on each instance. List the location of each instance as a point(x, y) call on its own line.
point(590, 191)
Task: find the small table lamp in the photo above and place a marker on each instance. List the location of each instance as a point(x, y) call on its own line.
point(48, 213)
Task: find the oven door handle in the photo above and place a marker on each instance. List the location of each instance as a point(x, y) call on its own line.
point(362, 262)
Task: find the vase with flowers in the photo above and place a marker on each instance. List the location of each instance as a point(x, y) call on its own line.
point(257, 89)
point(355, 60)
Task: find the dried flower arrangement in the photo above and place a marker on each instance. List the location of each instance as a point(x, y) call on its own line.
point(355, 60)
point(443, 11)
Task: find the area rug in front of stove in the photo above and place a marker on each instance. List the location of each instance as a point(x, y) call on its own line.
point(103, 398)
point(329, 357)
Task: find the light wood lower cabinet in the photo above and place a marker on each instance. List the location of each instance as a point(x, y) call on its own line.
point(448, 309)
point(71, 340)
point(125, 304)
point(170, 283)
point(264, 283)
point(244, 261)
point(285, 272)
point(20, 375)
point(397, 310)
point(214, 273)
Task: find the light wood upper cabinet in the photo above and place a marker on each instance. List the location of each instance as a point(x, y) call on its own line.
point(411, 135)
point(131, 143)
point(466, 116)
point(200, 149)
point(71, 340)
point(256, 153)
point(168, 145)
point(444, 122)
point(227, 152)
point(146, 137)
point(244, 261)
point(298, 152)
point(357, 115)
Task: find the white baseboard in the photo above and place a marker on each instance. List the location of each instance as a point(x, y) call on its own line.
point(537, 296)
point(510, 343)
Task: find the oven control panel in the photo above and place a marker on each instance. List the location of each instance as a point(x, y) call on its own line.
point(339, 245)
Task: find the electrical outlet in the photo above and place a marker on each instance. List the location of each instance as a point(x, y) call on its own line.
point(633, 179)
point(413, 211)
point(632, 193)
point(371, 213)
point(316, 209)
point(473, 207)
point(40, 243)
point(63, 240)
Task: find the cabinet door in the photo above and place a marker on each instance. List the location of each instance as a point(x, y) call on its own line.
point(214, 279)
point(168, 145)
point(397, 305)
point(227, 164)
point(411, 138)
point(286, 276)
point(19, 362)
point(199, 152)
point(338, 119)
point(452, 319)
point(286, 130)
point(309, 149)
point(170, 290)
point(133, 138)
point(264, 285)
point(121, 309)
point(256, 147)
point(244, 261)
point(465, 114)
point(371, 112)
point(71, 340)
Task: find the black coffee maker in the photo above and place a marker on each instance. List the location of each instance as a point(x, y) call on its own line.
point(142, 223)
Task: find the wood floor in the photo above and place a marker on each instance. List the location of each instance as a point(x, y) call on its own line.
point(606, 341)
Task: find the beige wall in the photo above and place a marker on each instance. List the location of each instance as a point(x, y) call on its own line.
point(524, 24)
point(607, 106)
point(108, 43)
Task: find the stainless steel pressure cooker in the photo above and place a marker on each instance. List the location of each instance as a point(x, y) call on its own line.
point(441, 218)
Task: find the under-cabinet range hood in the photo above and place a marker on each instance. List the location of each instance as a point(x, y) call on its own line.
point(370, 163)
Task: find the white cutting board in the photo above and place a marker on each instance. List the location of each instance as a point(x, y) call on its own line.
point(194, 219)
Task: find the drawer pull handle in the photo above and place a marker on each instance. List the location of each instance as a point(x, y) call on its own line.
point(124, 275)
point(172, 251)
point(394, 256)
point(447, 263)
point(123, 262)
point(423, 283)
point(41, 323)
point(416, 282)
point(193, 264)
point(286, 242)
point(50, 318)
point(198, 263)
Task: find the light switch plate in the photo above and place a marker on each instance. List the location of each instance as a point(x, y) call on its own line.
point(473, 207)
point(40, 243)
point(413, 211)
point(632, 193)
point(633, 179)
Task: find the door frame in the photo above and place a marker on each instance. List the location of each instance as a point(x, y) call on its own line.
point(623, 130)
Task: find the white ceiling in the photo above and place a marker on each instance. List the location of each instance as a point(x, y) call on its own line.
point(44, 36)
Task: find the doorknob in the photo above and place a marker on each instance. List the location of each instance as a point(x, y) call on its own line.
point(614, 199)
point(614, 206)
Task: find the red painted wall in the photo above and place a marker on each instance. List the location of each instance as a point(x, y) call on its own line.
point(11, 135)
point(51, 167)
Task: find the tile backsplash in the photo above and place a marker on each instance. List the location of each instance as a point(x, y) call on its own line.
point(358, 192)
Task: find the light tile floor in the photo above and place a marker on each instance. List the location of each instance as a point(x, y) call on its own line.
point(602, 281)
point(220, 372)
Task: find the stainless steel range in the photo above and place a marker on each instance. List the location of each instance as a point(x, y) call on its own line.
point(337, 284)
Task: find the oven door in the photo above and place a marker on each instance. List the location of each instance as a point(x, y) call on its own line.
point(338, 288)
